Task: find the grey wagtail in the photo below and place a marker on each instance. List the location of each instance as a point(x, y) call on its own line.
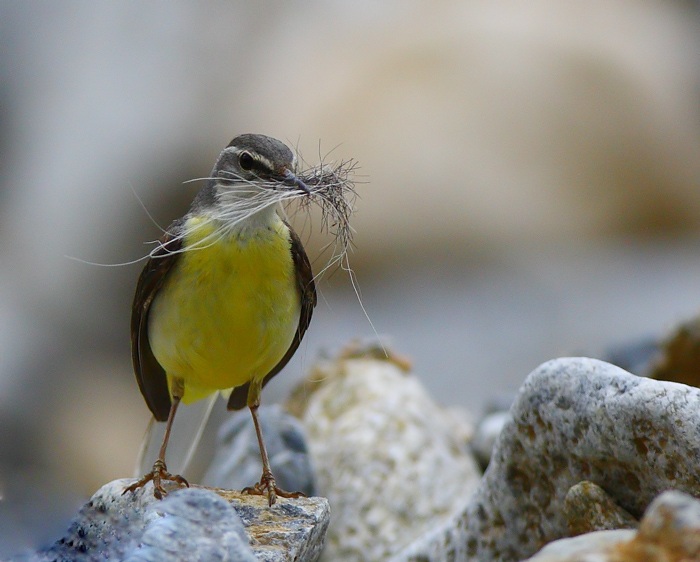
point(225, 299)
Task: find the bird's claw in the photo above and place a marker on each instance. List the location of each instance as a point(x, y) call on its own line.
point(158, 475)
point(267, 487)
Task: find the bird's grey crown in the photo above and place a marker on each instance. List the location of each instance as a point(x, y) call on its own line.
point(270, 153)
point(271, 149)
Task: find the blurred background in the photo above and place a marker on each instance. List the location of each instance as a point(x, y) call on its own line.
point(530, 189)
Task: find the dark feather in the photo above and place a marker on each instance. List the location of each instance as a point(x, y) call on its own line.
point(307, 295)
point(149, 374)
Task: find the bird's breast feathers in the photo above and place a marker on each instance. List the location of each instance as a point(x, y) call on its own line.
point(228, 310)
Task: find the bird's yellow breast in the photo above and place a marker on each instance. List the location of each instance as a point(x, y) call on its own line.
point(228, 310)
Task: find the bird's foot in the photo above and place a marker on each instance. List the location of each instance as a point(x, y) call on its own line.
point(267, 487)
point(159, 474)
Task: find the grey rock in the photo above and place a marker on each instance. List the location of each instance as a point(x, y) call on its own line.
point(487, 431)
point(196, 524)
point(394, 465)
point(190, 524)
point(581, 419)
point(588, 508)
point(574, 420)
point(237, 464)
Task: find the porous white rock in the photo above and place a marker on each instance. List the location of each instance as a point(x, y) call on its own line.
point(394, 465)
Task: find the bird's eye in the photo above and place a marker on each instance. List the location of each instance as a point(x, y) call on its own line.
point(246, 161)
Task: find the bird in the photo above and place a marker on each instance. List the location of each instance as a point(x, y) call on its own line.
point(226, 297)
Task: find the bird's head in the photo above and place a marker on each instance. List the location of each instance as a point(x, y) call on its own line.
point(252, 165)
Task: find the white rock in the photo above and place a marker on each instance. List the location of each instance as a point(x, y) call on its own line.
point(392, 463)
point(591, 547)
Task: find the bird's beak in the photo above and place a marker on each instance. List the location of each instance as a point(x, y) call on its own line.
point(288, 178)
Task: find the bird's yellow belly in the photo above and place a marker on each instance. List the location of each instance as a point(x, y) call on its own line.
point(228, 310)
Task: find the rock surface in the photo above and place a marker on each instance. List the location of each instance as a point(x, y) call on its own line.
point(668, 532)
point(581, 419)
point(190, 525)
point(588, 446)
point(394, 465)
point(485, 435)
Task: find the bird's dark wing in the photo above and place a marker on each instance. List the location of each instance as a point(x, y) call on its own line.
point(307, 294)
point(149, 374)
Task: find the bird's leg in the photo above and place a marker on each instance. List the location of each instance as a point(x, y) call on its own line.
point(267, 485)
point(160, 470)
